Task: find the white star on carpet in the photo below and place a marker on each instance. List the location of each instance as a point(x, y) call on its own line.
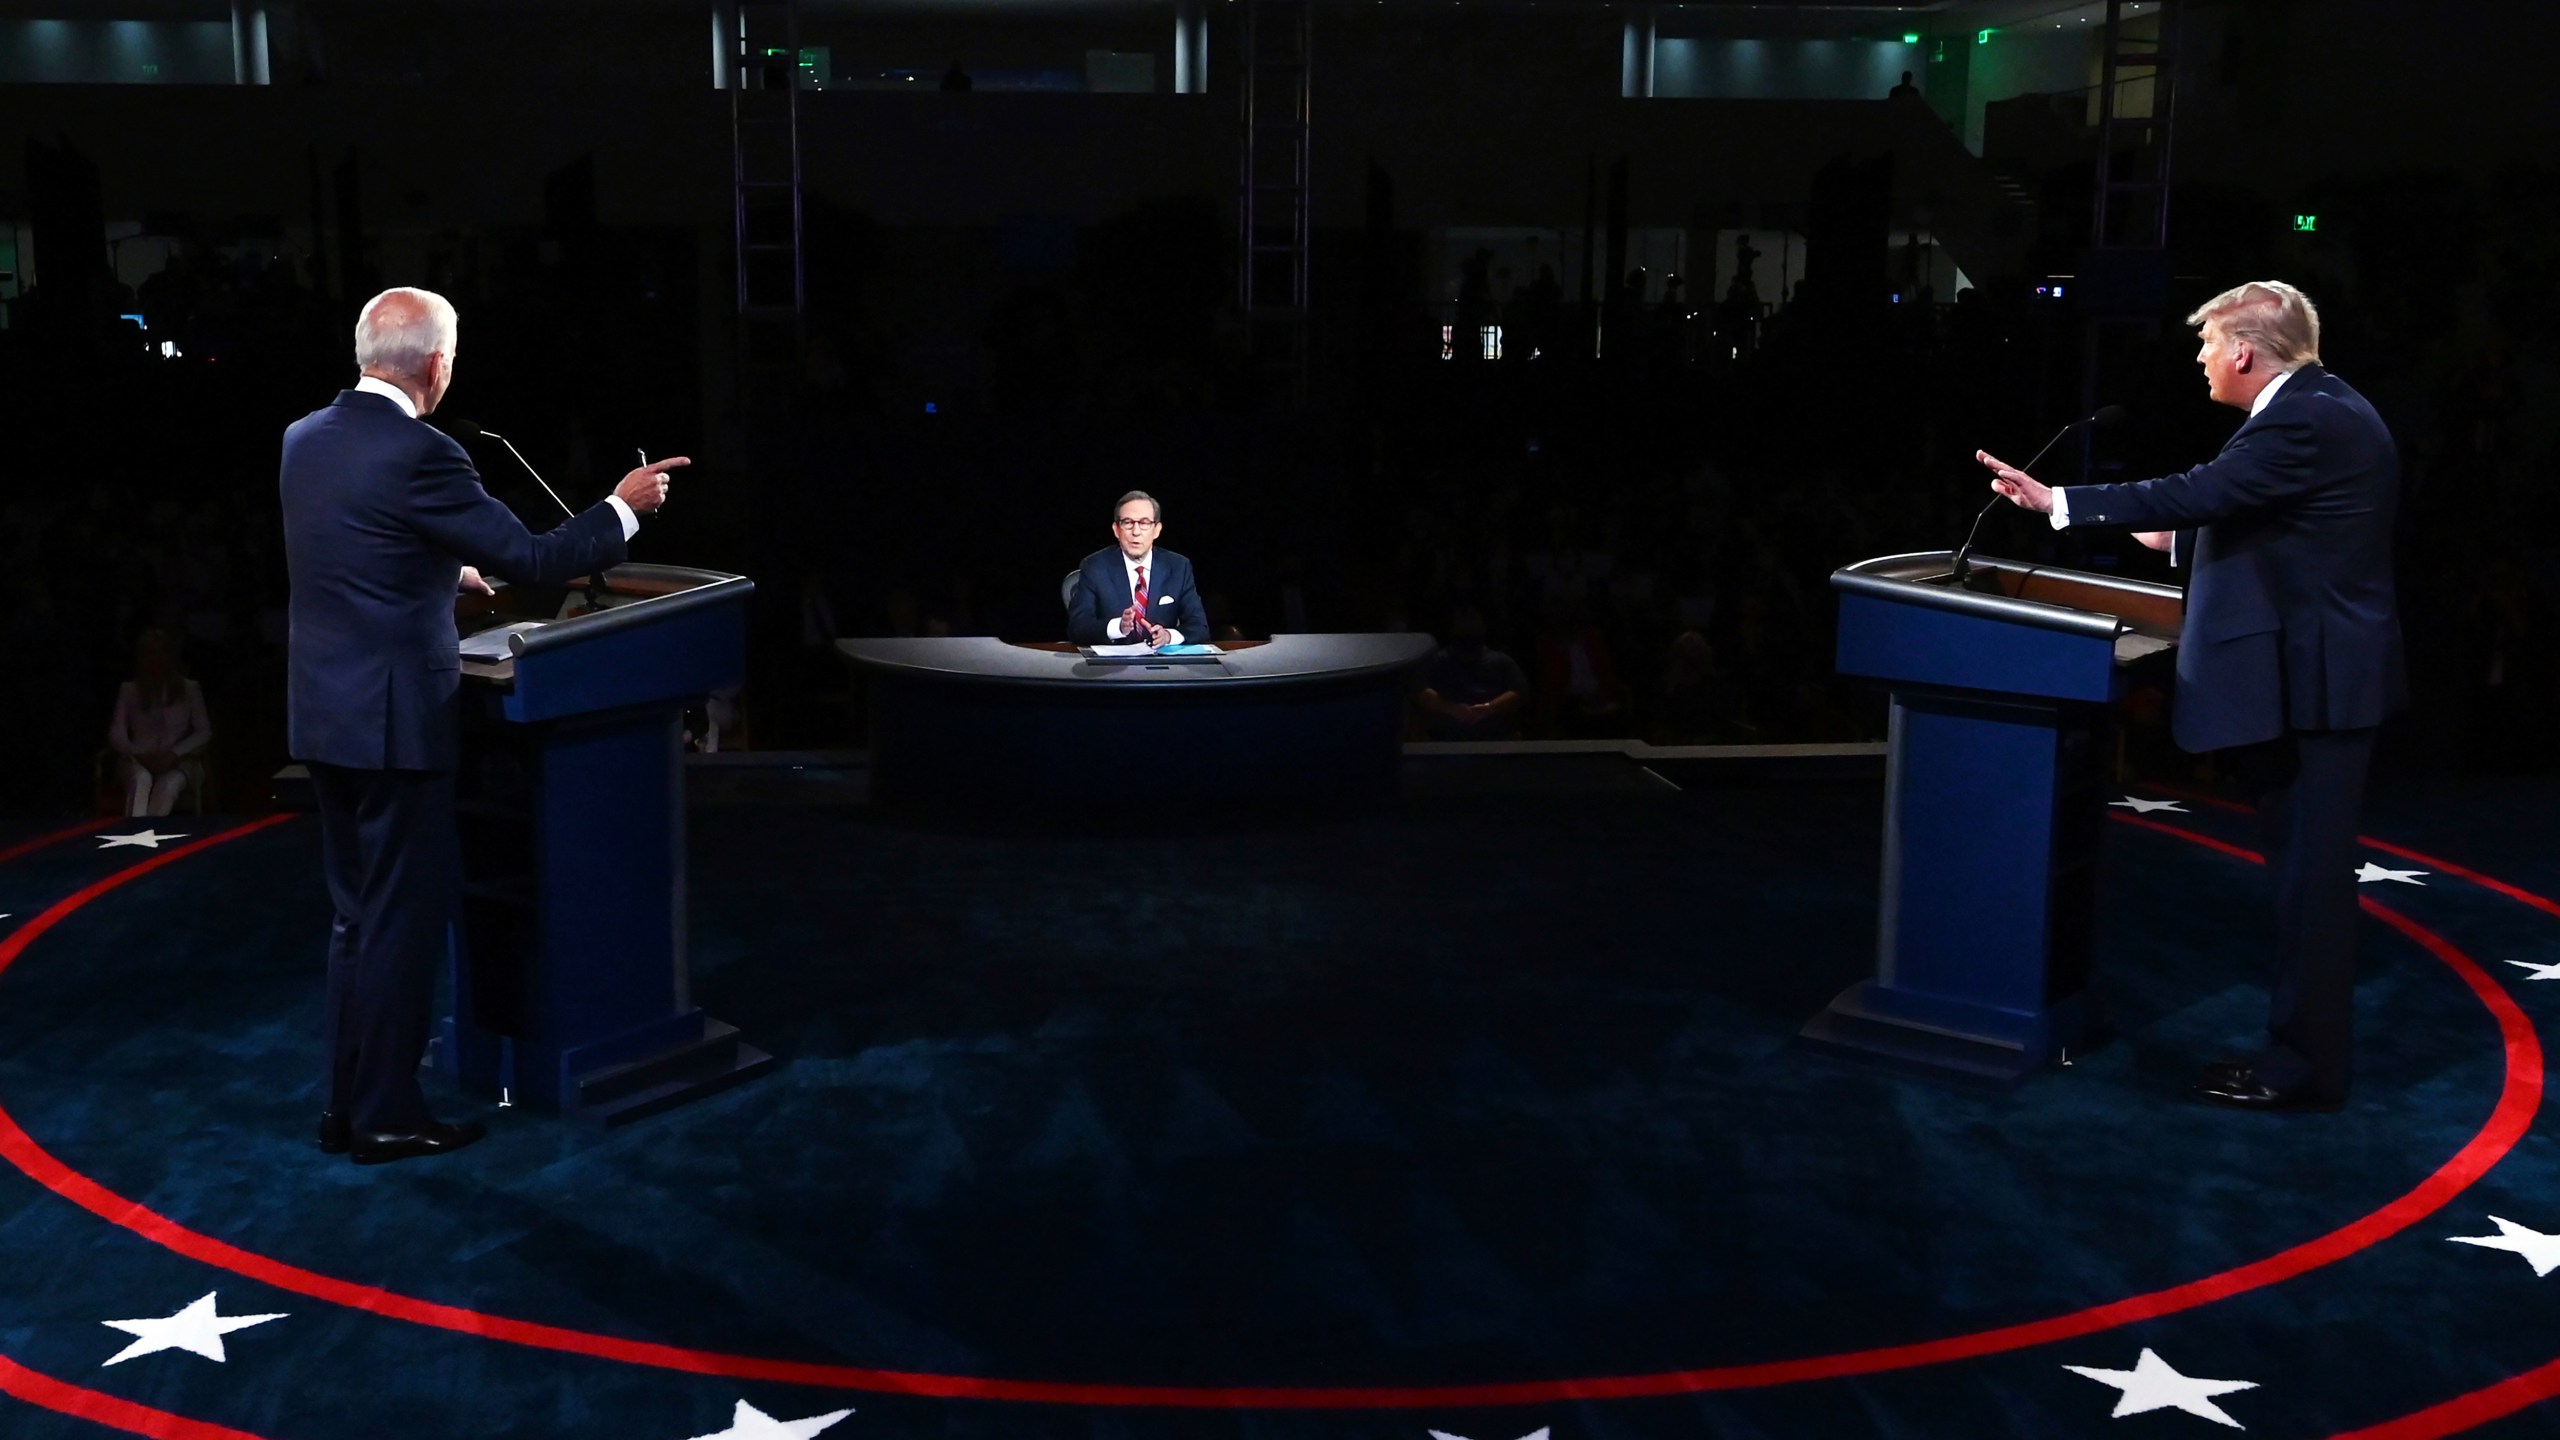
point(2540, 1251)
point(2145, 807)
point(1538, 1434)
point(2369, 872)
point(750, 1423)
point(147, 839)
point(2153, 1385)
point(2540, 972)
point(198, 1330)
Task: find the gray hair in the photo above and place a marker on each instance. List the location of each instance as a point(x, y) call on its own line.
point(2275, 317)
point(398, 338)
point(1152, 503)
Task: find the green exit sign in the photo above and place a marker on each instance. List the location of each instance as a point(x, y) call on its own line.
point(2306, 223)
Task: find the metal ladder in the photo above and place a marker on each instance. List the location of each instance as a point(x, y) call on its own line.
point(2129, 226)
point(764, 152)
point(2134, 149)
point(1273, 223)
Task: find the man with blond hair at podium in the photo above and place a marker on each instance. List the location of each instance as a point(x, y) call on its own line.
point(2290, 656)
point(384, 517)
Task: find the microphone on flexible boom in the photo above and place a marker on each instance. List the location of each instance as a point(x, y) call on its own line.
point(2103, 417)
point(594, 589)
point(465, 429)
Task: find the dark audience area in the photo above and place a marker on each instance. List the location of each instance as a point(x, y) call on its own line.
point(1641, 539)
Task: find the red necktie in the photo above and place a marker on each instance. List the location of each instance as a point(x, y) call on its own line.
point(1142, 589)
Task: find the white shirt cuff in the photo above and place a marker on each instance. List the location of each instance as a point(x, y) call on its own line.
point(630, 518)
point(2061, 509)
point(1172, 636)
point(1114, 630)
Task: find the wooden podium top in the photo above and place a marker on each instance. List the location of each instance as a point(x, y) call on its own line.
point(2148, 612)
point(550, 615)
point(2041, 596)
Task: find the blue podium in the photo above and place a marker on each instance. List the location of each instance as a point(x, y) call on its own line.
point(1999, 754)
point(570, 982)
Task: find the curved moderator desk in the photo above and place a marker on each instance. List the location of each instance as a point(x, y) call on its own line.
point(1298, 718)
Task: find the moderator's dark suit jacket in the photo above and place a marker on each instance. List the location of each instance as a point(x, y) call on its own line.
point(2292, 619)
point(1104, 593)
point(380, 514)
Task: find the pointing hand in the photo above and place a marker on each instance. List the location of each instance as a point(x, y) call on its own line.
point(645, 489)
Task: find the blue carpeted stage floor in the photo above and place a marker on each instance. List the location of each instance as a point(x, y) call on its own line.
point(1481, 1117)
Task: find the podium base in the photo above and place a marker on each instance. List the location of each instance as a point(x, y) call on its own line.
point(1945, 1036)
point(691, 1071)
point(654, 1068)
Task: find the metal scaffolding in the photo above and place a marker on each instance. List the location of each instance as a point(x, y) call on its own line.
point(2137, 105)
point(2124, 275)
point(761, 41)
point(1273, 226)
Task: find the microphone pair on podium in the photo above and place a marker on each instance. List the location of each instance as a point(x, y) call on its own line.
point(2104, 417)
point(468, 429)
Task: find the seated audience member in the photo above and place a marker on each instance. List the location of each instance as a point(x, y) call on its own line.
point(1471, 691)
point(159, 727)
point(1577, 677)
point(1133, 593)
point(1698, 704)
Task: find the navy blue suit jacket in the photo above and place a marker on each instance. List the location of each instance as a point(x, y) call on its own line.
point(380, 514)
point(1104, 593)
point(2292, 615)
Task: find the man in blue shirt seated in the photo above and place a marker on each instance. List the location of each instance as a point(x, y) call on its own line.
point(1471, 691)
point(1132, 593)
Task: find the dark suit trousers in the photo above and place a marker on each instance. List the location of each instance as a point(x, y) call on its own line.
point(2309, 791)
point(389, 851)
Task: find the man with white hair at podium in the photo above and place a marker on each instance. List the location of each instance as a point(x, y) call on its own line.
point(2290, 656)
point(384, 517)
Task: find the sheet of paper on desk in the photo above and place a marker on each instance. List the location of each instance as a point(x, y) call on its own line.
point(491, 644)
point(1118, 650)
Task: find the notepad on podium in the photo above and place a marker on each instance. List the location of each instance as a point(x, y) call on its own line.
point(1150, 655)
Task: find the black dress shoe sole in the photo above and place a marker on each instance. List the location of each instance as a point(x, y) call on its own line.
point(385, 1149)
point(2271, 1103)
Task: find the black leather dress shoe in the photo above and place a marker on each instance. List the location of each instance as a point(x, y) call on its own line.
point(333, 1132)
point(2226, 1069)
point(2243, 1090)
point(381, 1148)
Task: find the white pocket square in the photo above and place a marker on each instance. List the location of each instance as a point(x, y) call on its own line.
point(1164, 599)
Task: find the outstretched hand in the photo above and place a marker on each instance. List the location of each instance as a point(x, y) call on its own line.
point(471, 583)
point(645, 489)
point(2019, 487)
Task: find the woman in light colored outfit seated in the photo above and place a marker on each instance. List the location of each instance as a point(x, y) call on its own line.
point(159, 729)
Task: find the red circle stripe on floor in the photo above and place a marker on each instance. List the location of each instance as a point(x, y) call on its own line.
point(2519, 1097)
point(68, 1399)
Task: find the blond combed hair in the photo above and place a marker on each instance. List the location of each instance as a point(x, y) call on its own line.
point(2275, 317)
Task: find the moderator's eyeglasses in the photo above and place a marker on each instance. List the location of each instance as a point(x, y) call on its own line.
point(1137, 524)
